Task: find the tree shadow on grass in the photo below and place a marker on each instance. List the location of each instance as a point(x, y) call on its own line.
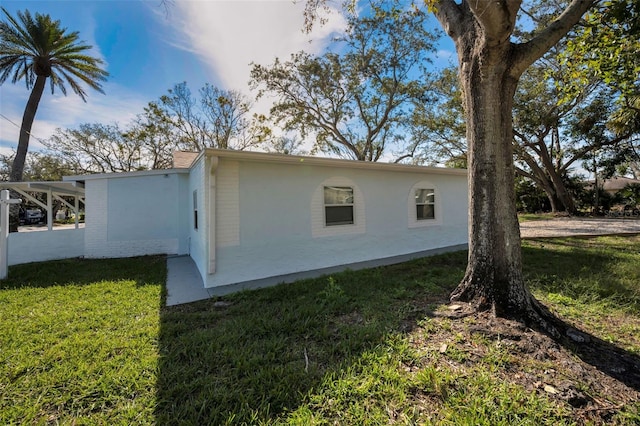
point(257, 355)
point(253, 357)
point(80, 271)
point(591, 271)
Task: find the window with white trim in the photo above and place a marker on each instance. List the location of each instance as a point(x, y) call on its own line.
point(425, 204)
point(338, 205)
point(337, 208)
point(195, 209)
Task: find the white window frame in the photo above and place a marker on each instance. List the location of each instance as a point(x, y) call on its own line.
point(319, 227)
point(339, 204)
point(425, 203)
point(412, 206)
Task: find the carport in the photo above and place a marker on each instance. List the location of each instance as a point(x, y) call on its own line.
point(54, 190)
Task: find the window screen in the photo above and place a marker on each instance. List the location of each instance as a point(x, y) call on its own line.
point(425, 204)
point(338, 205)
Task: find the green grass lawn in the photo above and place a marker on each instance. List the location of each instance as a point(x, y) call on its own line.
point(88, 342)
point(526, 217)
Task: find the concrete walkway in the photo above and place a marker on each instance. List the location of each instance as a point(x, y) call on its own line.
point(184, 284)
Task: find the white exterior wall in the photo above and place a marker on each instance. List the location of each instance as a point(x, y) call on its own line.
point(278, 219)
point(135, 215)
point(39, 246)
point(227, 204)
point(197, 237)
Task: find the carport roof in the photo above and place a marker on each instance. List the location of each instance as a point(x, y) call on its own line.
point(72, 188)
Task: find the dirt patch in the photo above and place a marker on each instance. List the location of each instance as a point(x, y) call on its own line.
point(592, 379)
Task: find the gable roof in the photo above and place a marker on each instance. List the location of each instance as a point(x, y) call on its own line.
point(183, 159)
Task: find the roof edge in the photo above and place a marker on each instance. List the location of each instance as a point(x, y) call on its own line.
point(114, 175)
point(267, 157)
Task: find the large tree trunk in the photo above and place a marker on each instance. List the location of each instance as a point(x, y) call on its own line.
point(490, 67)
point(562, 194)
point(539, 177)
point(547, 177)
point(494, 234)
point(17, 168)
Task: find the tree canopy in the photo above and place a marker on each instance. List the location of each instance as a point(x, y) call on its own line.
point(357, 100)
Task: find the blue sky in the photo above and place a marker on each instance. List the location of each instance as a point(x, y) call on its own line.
point(147, 51)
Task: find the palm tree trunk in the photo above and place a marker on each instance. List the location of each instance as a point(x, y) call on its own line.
point(17, 168)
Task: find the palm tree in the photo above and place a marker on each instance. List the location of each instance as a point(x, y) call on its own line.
point(34, 48)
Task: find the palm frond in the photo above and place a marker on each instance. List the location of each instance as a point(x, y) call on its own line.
point(33, 45)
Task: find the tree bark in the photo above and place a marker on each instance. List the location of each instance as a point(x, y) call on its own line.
point(560, 189)
point(494, 232)
point(17, 168)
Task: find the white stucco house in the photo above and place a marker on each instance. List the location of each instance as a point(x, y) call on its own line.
point(246, 217)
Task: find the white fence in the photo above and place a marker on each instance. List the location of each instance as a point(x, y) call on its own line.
point(38, 246)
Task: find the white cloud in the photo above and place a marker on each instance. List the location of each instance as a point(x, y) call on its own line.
point(445, 58)
point(229, 35)
point(58, 111)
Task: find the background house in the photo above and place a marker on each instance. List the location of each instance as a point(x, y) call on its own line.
point(615, 184)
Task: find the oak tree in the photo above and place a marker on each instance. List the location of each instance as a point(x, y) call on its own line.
point(490, 63)
point(356, 102)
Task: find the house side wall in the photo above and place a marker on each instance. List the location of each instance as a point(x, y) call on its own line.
point(134, 216)
point(278, 215)
point(197, 237)
point(39, 246)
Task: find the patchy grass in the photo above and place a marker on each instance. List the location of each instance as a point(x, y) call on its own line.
point(87, 342)
point(592, 282)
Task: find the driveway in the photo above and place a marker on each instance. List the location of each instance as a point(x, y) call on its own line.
point(43, 227)
point(573, 226)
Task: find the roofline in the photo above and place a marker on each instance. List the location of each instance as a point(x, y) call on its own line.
point(72, 188)
point(266, 157)
point(114, 175)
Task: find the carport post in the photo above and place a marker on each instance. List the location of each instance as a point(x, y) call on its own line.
point(5, 201)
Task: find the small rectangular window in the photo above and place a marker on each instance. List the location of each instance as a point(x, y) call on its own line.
point(195, 209)
point(425, 204)
point(338, 205)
